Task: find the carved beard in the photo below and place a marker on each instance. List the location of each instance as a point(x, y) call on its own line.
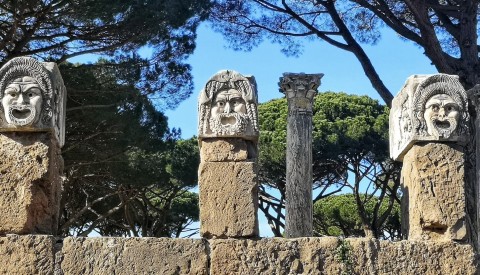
point(229, 124)
point(21, 115)
point(443, 128)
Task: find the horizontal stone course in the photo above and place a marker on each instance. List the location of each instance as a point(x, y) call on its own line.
point(323, 256)
point(134, 256)
point(30, 254)
point(40, 254)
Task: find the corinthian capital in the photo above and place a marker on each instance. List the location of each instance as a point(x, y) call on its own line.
point(300, 89)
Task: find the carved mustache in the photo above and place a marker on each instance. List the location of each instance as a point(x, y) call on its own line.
point(228, 124)
point(444, 126)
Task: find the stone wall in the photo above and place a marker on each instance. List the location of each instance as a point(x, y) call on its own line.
point(41, 254)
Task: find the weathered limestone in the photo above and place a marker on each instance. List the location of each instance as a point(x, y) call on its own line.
point(36, 254)
point(32, 254)
point(429, 128)
point(134, 256)
point(229, 193)
point(299, 90)
point(228, 135)
point(31, 134)
point(432, 175)
point(335, 256)
point(30, 169)
point(220, 149)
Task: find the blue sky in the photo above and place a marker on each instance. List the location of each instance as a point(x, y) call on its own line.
point(394, 59)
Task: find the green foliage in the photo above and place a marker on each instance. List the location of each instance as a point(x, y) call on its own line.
point(127, 173)
point(273, 136)
point(337, 215)
point(350, 154)
point(447, 31)
point(57, 30)
point(344, 256)
point(344, 126)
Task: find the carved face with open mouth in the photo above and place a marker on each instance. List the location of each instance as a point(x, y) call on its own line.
point(441, 115)
point(229, 113)
point(22, 101)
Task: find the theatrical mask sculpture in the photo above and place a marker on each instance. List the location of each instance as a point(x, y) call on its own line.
point(228, 115)
point(22, 101)
point(227, 107)
point(428, 108)
point(32, 97)
point(441, 115)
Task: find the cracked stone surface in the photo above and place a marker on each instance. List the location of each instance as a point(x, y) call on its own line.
point(40, 254)
point(228, 199)
point(321, 256)
point(433, 176)
point(223, 149)
point(134, 256)
point(31, 254)
point(30, 174)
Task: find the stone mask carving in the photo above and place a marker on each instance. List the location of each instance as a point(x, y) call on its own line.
point(227, 107)
point(440, 108)
point(22, 101)
point(428, 108)
point(33, 97)
point(228, 115)
point(441, 115)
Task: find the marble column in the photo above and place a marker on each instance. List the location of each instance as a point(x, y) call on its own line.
point(299, 90)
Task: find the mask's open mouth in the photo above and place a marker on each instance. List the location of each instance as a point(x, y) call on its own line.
point(228, 124)
point(442, 124)
point(21, 115)
point(228, 120)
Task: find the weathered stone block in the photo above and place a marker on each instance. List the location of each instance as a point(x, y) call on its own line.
point(228, 199)
point(274, 256)
point(323, 256)
point(31, 254)
point(223, 149)
point(134, 256)
point(434, 187)
point(30, 169)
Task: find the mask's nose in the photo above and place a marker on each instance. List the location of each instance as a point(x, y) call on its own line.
point(20, 99)
point(227, 108)
point(441, 112)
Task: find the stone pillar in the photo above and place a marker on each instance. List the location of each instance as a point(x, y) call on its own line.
point(32, 119)
point(429, 130)
point(299, 90)
point(228, 136)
